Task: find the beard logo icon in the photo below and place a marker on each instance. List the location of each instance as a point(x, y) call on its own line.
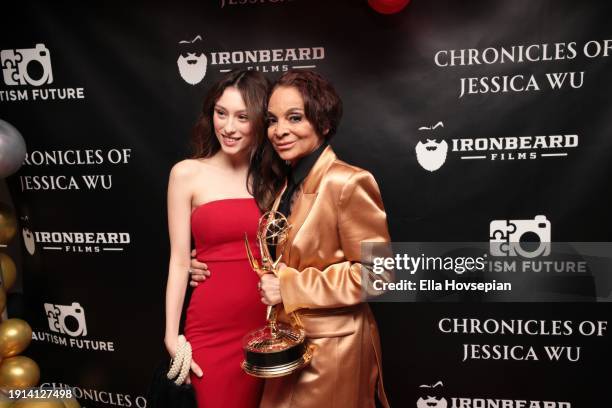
point(431, 396)
point(431, 155)
point(192, 61)
point(28, 240)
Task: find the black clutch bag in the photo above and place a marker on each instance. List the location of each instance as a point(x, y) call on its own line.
point(164, 393)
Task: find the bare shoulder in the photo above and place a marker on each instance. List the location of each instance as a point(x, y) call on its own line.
point(186, 169)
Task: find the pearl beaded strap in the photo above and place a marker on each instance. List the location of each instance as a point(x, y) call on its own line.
point(181, 363)
point(177, 360)
point(186, 366)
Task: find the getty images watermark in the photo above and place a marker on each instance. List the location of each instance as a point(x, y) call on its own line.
point(487, 271)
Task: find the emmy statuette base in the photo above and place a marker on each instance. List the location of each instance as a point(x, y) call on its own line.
point(279, 370)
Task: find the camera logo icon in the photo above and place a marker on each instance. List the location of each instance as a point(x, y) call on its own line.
point(526, 238)
point(65, 319)
point(27, 66)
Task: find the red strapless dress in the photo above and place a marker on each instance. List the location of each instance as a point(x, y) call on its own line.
point(227, 305)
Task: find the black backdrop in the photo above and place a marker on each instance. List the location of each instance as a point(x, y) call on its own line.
point(132, 113)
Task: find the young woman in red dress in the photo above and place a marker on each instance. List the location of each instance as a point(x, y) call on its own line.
point(210, 197)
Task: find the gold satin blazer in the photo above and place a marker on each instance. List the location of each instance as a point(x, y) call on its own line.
point(337, 208)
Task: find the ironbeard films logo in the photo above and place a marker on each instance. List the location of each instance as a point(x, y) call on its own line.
point(28, 240)
point(434, 396)
point(81, 242)
point(194, 62)
point(432, 151)
point(32, 66)
point(431, 155)
point(431, 396)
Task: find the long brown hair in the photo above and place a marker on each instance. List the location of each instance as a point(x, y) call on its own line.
point(267, 174)
point(265, 163)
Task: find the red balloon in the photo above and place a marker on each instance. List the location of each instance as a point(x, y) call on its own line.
point(388, 6)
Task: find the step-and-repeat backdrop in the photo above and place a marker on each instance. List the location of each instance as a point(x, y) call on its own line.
point(471, 115)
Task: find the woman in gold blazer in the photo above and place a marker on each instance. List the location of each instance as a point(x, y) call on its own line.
point(333, 207)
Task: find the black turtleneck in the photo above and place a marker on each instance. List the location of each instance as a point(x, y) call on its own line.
point(296, 176)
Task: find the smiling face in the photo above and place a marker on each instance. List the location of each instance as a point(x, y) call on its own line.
point(290, 132)
point(231, 122)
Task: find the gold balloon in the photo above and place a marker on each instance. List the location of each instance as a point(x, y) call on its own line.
point(5, 402)
point(8, 224)
point(38, 403)
point(15, 336)
point(19, 372)
point(72, 403)
point(9, 271)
